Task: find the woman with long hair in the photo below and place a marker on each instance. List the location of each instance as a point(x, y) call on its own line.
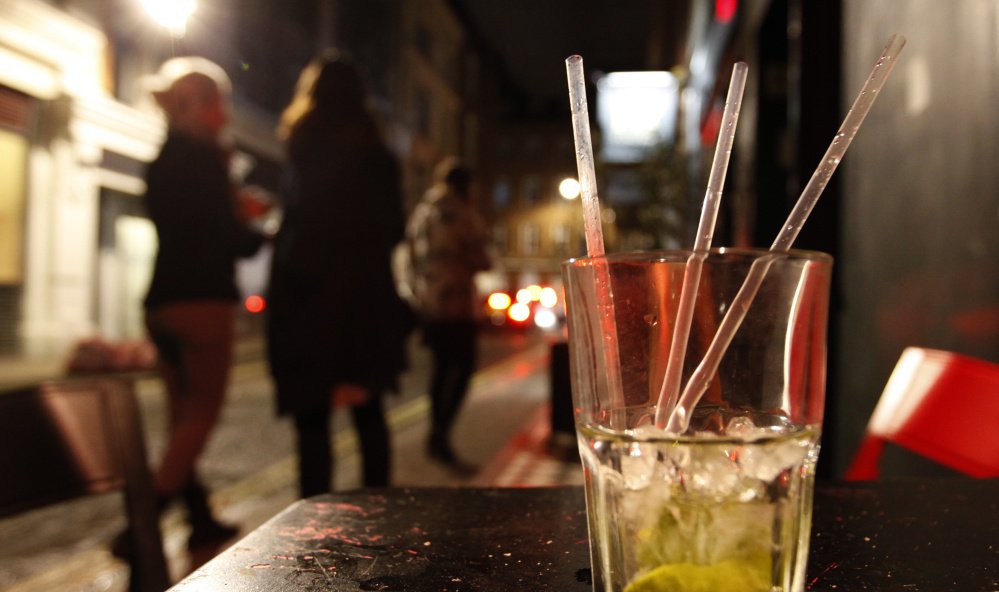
point(336, 328)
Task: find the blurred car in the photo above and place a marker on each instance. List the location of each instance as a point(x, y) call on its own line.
point(530, 307)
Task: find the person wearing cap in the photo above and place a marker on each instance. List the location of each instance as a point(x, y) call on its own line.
point(190, 304)
point(336, 331)
point(447, 246)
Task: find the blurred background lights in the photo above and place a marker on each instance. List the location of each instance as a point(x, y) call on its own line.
point(548, 297)
point(171, 14)
point(569, 188)
point(255, 304)
point(635, 111)
point(545, 319)
point(499, 301)
point(519, 312)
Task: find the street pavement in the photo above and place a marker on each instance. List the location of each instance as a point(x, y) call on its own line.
point(504, 429)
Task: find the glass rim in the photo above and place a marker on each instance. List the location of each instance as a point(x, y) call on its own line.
point(682, 255)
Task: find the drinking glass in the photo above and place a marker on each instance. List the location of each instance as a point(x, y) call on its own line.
point(724, 505)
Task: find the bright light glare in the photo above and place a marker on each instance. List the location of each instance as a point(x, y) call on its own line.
point(535, 291)
point(499, 301)
point(569, 188)
point(636, 110)
point(171, 14)
point(255, 304)
point(549, 297)
point(545, 319)
point(523, 295)
point(519, 312)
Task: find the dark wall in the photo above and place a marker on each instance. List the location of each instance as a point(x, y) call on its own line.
point(798, 51)
point(919, 254)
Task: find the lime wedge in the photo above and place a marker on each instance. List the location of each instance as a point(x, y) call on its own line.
point(733, 575)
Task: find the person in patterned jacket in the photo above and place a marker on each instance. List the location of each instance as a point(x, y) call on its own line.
point(447, 242)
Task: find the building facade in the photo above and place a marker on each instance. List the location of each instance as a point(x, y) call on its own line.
point(77, 129)
point(534, 227)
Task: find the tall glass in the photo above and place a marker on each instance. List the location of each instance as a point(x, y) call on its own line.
point(726, 505)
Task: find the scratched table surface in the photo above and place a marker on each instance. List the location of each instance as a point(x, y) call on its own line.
point(928, 535)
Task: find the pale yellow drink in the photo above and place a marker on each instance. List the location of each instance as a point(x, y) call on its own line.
point(722, 504)
point(710, 512)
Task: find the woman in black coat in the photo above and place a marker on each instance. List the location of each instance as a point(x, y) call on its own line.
point(336, 329)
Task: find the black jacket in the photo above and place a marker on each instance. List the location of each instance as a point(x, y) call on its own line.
point(334, 314)
point(190, 200)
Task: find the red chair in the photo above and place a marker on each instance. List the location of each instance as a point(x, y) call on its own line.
point(941, 405)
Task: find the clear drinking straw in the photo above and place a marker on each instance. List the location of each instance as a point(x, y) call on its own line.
point(705, 231)
point(584, 156)
point(594, 235)
point(699, 380)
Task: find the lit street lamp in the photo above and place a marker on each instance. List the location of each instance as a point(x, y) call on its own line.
point(569, 188)
point(171, 14)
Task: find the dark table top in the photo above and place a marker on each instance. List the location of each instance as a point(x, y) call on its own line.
point(923, 536)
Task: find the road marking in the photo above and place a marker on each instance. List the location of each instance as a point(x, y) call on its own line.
point(98, 566)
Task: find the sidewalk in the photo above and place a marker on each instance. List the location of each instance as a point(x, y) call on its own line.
point(65, 548)
point(534, 457)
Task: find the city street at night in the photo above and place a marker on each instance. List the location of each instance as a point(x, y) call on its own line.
point(249, 465)
point(288, 292)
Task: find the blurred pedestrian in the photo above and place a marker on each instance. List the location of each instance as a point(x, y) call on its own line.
point(190, 312)
point(447, 242)
point(336, 327)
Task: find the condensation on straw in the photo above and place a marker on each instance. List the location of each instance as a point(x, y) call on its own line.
point(699, 380)
point(594, 237)
point(584, 156)
point(670, 390)
point(827, 166)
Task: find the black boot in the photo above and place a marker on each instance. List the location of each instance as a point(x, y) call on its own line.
point(440, 450)
point(205, 529)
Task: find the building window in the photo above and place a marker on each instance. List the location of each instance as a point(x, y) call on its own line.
point(14, 150)
point(530, 239)
point(531, 189)
point(501, 238)
point(501, 193)
point(561, 235)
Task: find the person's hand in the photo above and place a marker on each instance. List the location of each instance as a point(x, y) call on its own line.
point(349, 395)
point(254, 202)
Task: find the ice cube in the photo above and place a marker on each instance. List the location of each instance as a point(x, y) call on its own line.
point(765, 462)
point(712, 472)
point(741, 427)
point(678, 457)
point(638, 464)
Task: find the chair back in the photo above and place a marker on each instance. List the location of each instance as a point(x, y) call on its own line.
point(941, 405)
point(66, 439)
